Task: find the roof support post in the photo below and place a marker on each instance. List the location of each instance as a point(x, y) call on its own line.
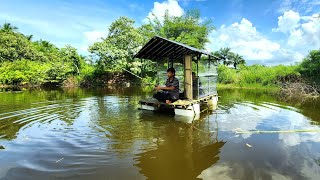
point(188, 76)
point(197, 90)
point(142, 68)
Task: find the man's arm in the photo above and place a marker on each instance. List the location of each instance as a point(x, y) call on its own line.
point(170, 88)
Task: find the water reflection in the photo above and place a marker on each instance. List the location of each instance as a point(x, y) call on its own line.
point(273, 156)
point(101, 134)
point(178, 153)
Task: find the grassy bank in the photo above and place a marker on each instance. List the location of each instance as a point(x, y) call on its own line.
point(290, 82)
point(257, 76)
point(247, 86)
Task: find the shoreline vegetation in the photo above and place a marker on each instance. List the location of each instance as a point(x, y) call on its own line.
point(25, 62)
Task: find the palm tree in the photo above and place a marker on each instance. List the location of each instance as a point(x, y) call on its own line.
point(225, 55)
point(29, 37)
point(236, 60)
point(7, 27)
point(216, 56)
point(45, 44)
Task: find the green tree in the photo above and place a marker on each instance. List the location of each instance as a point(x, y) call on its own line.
point(29, 37)
point(22, 72)
point(8, 27)
point(310, 65)
point(72, 58)
point(227, 57)
point(224, 55)
point(14, 46)
point(25, 62)
point(188, 28)
point(236, 59)
point(115, 52)
point(147, 32)
point(48, 50)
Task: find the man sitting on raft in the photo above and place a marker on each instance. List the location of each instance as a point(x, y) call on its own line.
point(170, 92)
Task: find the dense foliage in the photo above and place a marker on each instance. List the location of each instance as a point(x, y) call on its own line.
point(23, 61)
point(188, 28)
point(310, 66)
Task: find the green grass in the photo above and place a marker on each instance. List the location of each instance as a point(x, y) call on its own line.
point(256, 76)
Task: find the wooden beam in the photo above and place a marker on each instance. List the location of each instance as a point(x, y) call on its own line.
point(188, 76)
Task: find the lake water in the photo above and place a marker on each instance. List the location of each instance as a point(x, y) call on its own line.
point(101, 134)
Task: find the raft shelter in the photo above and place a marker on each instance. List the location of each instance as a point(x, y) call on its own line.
point(198, 76)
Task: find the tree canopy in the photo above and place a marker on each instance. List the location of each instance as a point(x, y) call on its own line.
point(115, 51)
point(24, 61)
point(310, 66)
point(189, 28)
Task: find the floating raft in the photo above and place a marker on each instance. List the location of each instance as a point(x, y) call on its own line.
point(177, 104)
point(183, 107)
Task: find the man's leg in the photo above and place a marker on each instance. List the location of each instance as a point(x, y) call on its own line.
point(170, 100)
point(162, 97)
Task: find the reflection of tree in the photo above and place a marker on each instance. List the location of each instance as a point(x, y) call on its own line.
point(22, 109)
point(179, 154)
point(309, 108)
point(118, 116)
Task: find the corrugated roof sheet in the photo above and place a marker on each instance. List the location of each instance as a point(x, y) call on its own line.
point(159, 48)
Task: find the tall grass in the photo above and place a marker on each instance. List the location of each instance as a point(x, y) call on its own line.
point(257, 75)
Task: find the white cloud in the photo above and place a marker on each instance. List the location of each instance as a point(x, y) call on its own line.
point(226, 171)
point(159, 9)
point(300, 35)
point(302, 32)
point(243, 38)
point(302, 6)
point(288, 22)
point(307, 34)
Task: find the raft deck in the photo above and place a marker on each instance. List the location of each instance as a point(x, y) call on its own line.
point(179, 104)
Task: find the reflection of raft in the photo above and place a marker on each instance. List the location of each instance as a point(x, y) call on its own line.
point(175, 161)
point(195, 93)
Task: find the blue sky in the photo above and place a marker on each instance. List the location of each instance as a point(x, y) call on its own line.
point(264, 31)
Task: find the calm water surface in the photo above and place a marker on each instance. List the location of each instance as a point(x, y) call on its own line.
point(101, 134)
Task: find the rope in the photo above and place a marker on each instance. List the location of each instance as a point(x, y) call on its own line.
point(200, 129)
point(261, 132)
point(280, 131)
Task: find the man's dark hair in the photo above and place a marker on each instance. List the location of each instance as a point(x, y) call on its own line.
point(172, 70)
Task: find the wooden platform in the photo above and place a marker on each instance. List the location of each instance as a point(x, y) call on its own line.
point(180, 104)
